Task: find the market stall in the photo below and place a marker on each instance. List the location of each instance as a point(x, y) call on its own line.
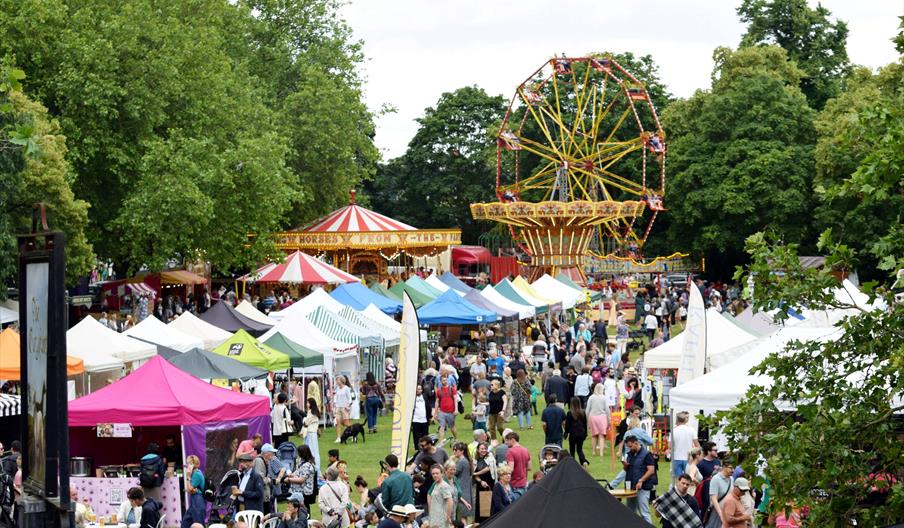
point(434, 282)
point(98, 346)
point(551, 288)
point(525, 311)
point(222, 315)
point(418, 297)
point(245, 348)
point(370, 344)
point(210, 366)
point(358, 296)
point(211, 422)
point(454, 282)
point(193, 326)
point(308, 304)
point(10, 366)
point(450, 309)
point(152, 330)
point(248, 310)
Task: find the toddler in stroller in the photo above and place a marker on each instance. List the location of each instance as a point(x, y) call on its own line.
point(222, 502)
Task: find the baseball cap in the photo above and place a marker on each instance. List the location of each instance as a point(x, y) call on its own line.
point(267, 448)
point(742, 484)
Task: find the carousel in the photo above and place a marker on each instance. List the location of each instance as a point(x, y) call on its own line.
point(363, 242)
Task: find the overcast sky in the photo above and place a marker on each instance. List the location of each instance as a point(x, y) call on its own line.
point(417, 49)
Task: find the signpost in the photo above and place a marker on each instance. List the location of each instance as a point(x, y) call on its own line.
point(42, 320)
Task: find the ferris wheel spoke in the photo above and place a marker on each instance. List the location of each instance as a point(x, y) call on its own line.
point(618, 124)
point(557, 120)
point(541, 122)
point(580, 100)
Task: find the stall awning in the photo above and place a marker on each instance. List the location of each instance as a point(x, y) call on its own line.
point(141, 288)
point(10, 367)
point(10, 405)
point(181, 277)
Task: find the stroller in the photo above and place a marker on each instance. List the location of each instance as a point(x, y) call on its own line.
point(553, 450)
point(223, 504)
point(287, 453)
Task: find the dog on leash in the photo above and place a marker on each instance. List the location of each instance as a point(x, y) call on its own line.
point(351, 433)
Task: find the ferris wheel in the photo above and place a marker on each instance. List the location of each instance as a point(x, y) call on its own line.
point(585, 129)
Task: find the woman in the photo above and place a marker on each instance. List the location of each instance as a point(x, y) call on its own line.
point(463, 471)
point(342, 404)
point(304, 478)
point(582, 385)
point(311, 430)
point(694, 456)
point(194, 487)
point(497, 400)
point(333, 499)
point(521, 399)
point(502, 491)
point(576, 430)
point(484, 479)
point(440, 501)
point(632, 391)
point(599, 417)
point(281, 420)
point(373, 400)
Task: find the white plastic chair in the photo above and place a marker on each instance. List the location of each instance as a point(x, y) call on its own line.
point(272, 522)
point(217, 525)
point(160, 522)
point(251, 517)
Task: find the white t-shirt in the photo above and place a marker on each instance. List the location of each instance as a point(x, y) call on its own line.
point(343, 396)
point(682, 441)
point(650, 322)
point(420, 410)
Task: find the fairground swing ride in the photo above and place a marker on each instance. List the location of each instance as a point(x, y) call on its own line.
point(586, 135)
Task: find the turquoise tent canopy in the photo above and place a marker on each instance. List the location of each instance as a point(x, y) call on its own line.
point(450, 309)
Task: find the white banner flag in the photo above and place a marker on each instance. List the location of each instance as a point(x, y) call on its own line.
point(406, 381)
point(693, 357)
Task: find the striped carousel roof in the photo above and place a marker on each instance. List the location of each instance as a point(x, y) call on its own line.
point(354, 218)
point(301, 268)
point(9, 405)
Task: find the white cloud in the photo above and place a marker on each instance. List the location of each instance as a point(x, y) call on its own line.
point(418, 49)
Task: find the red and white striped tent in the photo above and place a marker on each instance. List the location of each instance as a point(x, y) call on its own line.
point(255, 275)
point(354, 218)
point(301, 268)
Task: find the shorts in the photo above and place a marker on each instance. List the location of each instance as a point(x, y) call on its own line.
point(342, 414)
point(446, 419)
point(679, 467)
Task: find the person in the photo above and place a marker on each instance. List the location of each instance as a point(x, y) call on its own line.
point(310, 430)
point(553, 419)
point(303, 480)
point(342, 404)
point(677, 508)
point(733, 512)
point(9, 461)
point(497, 400)
point(281, 420)
point(719, 488)
point(82, 510)
point(683, 440)
point(172, 452)
point(150, 507)
point(600, 333)
point(398, 488)
point(521, 399)
point(478, 371)
point(503, 494)
point(429, 450)
point(151, 472)
point(129, 513)
point(463, 469)
point(275, 474)
point(196, 512)
point(295, 516)
point(650, 324)
point(479, 410)
point(440, 502)
point(250, 491)
point(535, 393)
point(558, 386)
point(333, 499)
point(495, 364)
point(501, 449)
point(599, 416)
point(373, 400)
point(259, 465)
point(397, 515)
point(428, 388)
point(610, 387)
point(485, 474)
point(576, 430)
point(640, 470)
point(332, 457)
point(582, 385)
point(621, 336)
point(446, 407)
point(518, 458)
point(694, 456)
point(420, 426)
point(710, 463)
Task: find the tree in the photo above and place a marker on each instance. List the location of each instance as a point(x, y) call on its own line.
point(812, 40)
point(740, 156)
point(447, 165)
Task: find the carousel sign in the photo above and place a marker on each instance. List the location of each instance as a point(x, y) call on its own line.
point(369, 240)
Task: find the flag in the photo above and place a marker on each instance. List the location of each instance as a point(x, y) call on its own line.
point(406, 381)
point(693, 356)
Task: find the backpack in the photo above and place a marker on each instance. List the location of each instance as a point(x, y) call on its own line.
point(148, 475)
point(429, 389)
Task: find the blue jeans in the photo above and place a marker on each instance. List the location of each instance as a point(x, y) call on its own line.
point(523, 416)
point(196, 512)
point(372, 407)
point(679, 467)
point(641, 504)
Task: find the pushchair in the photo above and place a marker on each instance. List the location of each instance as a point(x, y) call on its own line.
point(287, 454)
point(223, 504)
point(546, 465)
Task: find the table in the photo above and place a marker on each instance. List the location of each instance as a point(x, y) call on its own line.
point(104, 495)
point(622, 494)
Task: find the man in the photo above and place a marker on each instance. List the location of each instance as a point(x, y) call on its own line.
point(650, 324)
point(501, 450)
point(683, 440)
point(446, 407)
point(172, 452)
point(295, 516)
point(480, 436)
point(558, 386)
point(495, 364)
point(480, 383)
point(478, 371)
point(150, 507)
point(274, 473)
point(250, 491)
point(733, 513)
point(9, 461)
point(600, 333)
point(540, 353)
point(577, 360)
point(397, 486)
point(333, 456)
point(397, 515)
point(428, 449)
point(151, 472)
point(710, 463)
point(583, 334)
point(677, 508)
point(553, 418)
point(82, 509)
point(428, 388)
point(420, 425)
point(640, 470)
point(518, 458)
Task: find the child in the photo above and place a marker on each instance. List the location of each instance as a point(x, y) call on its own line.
point(534, 394)
point(481, 406)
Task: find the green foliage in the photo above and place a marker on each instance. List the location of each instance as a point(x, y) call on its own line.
point(740, 156)
point(826, 428)
point(447, 165)
point(817, 44)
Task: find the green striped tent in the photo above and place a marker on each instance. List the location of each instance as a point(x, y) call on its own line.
point(370, 345)
point(390, 337)
point(300, 356)
point(418, 297)
point(505, 288)
point(385, 292)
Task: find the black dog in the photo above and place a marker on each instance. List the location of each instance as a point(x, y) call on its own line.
point(352, 432)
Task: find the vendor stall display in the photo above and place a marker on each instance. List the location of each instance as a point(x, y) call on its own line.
point(358, 296)
point(193, 326)
point(209, 365)
point(245, 348)
point(152, 330)
point(10, 366)
point(224, 316)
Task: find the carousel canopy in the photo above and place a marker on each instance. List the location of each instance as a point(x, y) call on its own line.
point(243, 347)
point(208, 365)
point(358, 296)
point(301, 268)
point(418, 297)
point(300, 356)
point(525, 311)
point(454, 282)
point(450, 309)
point(505, 288)
point(10, 366)
point(191, 325)
point(224, 316)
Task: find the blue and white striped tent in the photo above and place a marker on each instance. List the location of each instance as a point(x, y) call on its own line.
point(10, 405)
